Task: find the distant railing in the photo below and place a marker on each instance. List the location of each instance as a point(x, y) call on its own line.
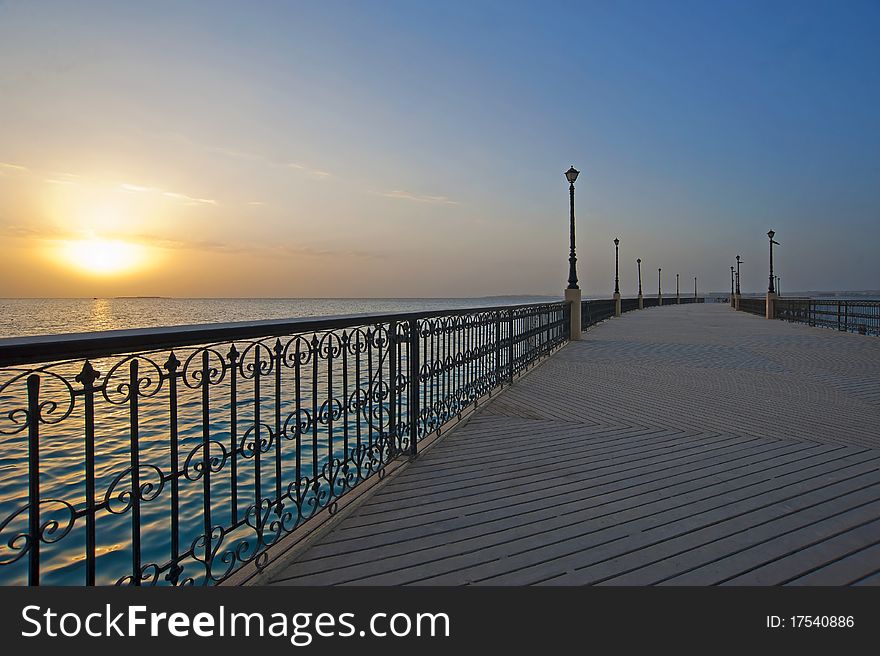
point(178, 455)
point(596, 310)
point(629, 304)
point(753, 305)
point(651, 301)
point(861, 316)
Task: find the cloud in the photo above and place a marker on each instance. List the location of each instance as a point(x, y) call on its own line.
point(405, 195)
point(296, 166)
point(252, 249)
point(15, 168)
point(190, 200)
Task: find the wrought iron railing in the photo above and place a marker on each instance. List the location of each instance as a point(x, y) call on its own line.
point(629, 304)
point(596, 310)
point(178, 455)
point(857, 316)
point(651, 301)
point(753, 305)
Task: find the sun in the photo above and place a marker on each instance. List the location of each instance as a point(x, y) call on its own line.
point(103, 257)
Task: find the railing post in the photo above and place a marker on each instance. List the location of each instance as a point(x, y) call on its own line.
point(413, 392)
point(87, 378)
point(573, 298)
point(392, 389)
point(510, 346)
point(33, 419)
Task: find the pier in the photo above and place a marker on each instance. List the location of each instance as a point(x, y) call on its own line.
point(688, 445)
point(556, 443)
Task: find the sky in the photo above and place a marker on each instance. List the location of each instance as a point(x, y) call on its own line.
point(416, 149)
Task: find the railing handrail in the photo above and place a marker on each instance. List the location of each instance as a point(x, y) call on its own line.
point(49, 348)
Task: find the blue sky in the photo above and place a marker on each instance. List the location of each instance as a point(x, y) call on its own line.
point(416, 148)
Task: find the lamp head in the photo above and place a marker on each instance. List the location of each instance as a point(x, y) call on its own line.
point(571, 174)
point(771, 234)
point(616, 241)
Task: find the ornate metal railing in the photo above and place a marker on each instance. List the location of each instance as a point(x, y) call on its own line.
point(861, 316)
point(691, 299)
point(753, 305)
point(596, 310)
point(178, 455)
point(651, 301)
point(629, 304)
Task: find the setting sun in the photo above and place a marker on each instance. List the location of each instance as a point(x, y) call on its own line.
point(103, 257)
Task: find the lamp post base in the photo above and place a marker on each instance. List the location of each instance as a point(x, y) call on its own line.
point(733, 301)
point(771, 305)
point(736, 300)
point(678, 299)
point(641, 302)
point(617, 311)
point(573, 296)
point(659, 299)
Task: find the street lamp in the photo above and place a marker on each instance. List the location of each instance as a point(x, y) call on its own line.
point(573, 292)
point(695, 288)
point(659, 288)
point(731, 286)
point(571, 175)
point(616, 276)
point(617, 307)
point(641, 299)
point(677, 293)
point(771, 234)
point(738, 295)
point(778, 288)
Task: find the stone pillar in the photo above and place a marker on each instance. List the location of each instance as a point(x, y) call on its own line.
point(771, 305)
point(617, 312)
point(574, 296)
point(677, 298)
point(641, 302)
point(659, 299)
point(733, 301)
point(736, 299)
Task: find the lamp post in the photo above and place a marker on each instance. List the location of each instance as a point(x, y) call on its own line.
point(771, 291)
point(738, 294)
point(677, 292)
point(778, 288)
point(659, 288)
point(573, 292)
point(641, 299)
point(695, 289)
point(617, 308)
point(731, 286)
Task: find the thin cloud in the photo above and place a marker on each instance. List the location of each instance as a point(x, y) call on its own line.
point(9, 166)
point(190, 200)
point(405, 195)
point(253, 249)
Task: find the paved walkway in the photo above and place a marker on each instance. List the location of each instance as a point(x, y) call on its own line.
point(676, 445)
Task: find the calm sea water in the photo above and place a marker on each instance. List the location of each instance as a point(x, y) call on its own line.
point(20, 317)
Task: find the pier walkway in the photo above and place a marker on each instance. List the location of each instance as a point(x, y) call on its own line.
point(674, 445)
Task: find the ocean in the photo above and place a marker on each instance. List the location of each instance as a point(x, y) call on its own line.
point(49, 316)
